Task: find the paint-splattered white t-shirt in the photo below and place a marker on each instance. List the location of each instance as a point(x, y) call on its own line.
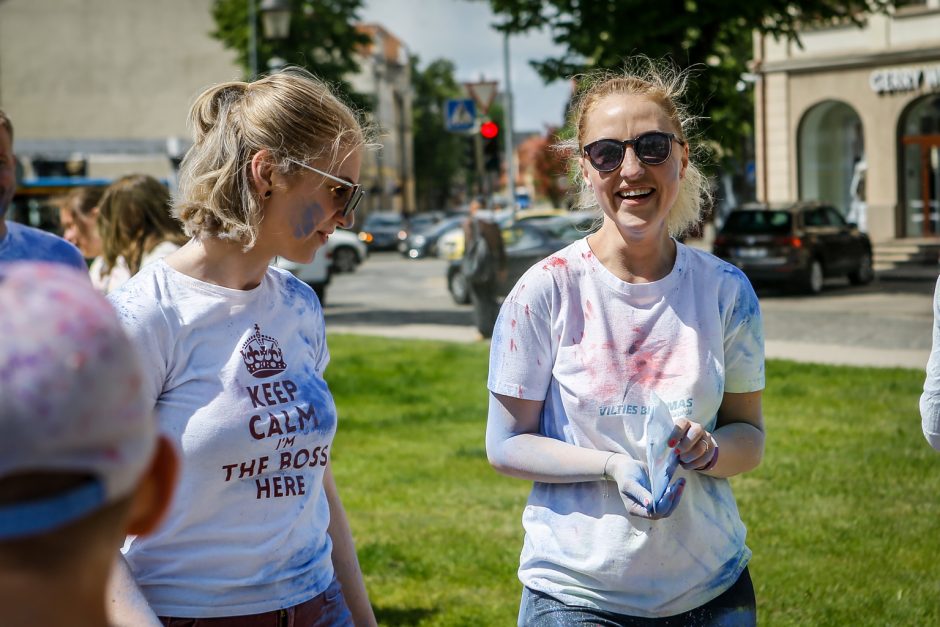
point(236, 378)
point(594, 348)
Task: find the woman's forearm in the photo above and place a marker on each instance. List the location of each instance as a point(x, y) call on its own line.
point(535, 457)
point(345, 562)
point(740, 449)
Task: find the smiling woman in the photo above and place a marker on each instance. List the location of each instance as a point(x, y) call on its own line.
point(235, 353)
point(620, 365)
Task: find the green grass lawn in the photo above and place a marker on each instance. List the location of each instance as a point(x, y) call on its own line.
point(843, 515)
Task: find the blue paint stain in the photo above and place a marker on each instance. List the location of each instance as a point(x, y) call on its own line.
point(304, 223)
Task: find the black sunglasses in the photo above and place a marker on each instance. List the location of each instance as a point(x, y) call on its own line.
point(651, 148)
point(355, 190)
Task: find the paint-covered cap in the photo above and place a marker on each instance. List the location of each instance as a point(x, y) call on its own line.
point(70, 397)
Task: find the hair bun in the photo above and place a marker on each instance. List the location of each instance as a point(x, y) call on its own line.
point(213, 104)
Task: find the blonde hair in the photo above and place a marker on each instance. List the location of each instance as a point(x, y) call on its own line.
point(663, 84)
point(133, 217)
point(291, 113)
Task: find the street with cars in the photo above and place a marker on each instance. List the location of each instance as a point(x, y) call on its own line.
point(884, 323)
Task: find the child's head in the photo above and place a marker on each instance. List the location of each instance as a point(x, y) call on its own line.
point(79, 456)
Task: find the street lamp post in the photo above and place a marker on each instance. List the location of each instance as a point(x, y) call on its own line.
point(275, 20)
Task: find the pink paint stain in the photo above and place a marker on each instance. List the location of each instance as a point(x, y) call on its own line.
point(527, 312)
point(588, 255)
point(513, 323)
point(555, 262)
point(588, 309)
point(520, 391)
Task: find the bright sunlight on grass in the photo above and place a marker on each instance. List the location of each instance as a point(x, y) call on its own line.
point(843, 515)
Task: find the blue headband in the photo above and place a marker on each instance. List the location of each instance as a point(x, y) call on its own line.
point(35, 517)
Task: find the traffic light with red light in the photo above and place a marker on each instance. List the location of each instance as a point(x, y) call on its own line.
point(491, 150)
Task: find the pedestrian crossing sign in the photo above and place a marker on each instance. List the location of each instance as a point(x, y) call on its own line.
point(461, 115)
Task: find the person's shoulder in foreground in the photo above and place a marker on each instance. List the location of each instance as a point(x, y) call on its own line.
point(81, 464)
point(930, 399)
point(25, 243)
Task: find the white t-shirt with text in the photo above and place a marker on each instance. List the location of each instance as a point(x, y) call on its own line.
point(236, 380)
point(595, 348)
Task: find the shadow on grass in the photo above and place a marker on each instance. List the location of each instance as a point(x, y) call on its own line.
point(402, 615)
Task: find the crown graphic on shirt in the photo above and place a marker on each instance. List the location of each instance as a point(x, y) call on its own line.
point(262, 355)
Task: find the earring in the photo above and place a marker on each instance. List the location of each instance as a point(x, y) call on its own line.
point(267, 194)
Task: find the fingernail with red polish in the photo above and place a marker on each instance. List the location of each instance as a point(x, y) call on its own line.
point(672, 443)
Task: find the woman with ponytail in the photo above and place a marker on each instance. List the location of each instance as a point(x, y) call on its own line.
point(234, 353)
point(136, 229)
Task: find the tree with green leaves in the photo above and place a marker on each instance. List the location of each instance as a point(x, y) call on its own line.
point(323, 38)
point(714, 36)
point(438, 154)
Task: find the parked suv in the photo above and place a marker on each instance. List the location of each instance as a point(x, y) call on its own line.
point(796, 245)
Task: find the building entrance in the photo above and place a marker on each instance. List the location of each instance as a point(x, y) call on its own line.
point(920, 143)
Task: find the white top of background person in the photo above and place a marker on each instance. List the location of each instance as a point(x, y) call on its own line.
point(930, 399)
point(588, 342)
point(18, 241)
point(81, 464)
point(236, 351)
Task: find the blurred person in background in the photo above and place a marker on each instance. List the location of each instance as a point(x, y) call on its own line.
point(81, 464)
point(78, 215)
point(136, 229)
point(18, 241)
point(483, 265)
point(930, 399)
point(619, 367)
point(235, 352)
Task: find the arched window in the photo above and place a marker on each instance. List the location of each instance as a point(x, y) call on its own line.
point(830, 146)
point(920, 167)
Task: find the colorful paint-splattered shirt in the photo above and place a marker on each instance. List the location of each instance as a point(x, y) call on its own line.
point(236, 380)
point(24, 243)
point(594, 349)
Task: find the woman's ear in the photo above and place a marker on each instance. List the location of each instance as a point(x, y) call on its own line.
point(585, 173)
point(151, 499)
point(261, 172)
point(685, 160)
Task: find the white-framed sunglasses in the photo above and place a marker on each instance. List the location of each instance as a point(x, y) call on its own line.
point(355, 194)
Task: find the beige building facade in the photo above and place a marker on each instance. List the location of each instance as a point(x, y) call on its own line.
point(853, 118)
point(385, 74)
point(109, 83)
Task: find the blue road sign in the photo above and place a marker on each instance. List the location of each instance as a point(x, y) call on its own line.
point(461, 115)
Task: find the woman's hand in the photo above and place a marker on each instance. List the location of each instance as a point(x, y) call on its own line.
point(697, 447)
point(633, 482)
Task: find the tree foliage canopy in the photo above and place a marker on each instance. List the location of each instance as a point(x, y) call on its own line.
point(323, 38)
point(437, 152)
point(714, 36)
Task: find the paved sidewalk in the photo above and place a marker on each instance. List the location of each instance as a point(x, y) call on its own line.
point(805, 352)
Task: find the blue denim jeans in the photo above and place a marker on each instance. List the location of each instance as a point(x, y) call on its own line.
point(327, 609)
point(736, 607)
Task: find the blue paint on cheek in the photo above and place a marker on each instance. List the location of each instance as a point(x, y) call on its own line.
point(305, 222)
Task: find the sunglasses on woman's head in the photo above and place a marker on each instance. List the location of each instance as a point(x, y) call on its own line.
point(652, 148)
point(354, 190)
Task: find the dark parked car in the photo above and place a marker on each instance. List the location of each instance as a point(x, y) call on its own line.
point(796, 245)
point(380, 231)
point(423, 242)
point(526, 244)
